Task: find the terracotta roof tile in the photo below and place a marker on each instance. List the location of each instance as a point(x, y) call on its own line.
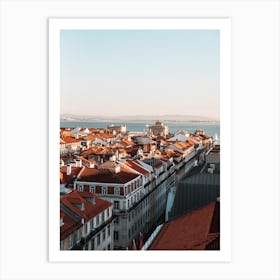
point(69, 140)
point(132, 164)
point(68, 179)
point(90, 209)
point(105, 176)
point(189, 232)
point(69, 225)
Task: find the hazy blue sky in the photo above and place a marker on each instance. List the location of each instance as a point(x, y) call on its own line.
point(147, 72)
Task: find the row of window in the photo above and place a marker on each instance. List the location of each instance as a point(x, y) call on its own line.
point(99, 239)
point(99, 219)
point(104, 190)
point(135, 227)
point(133, 186)
point(130, 202)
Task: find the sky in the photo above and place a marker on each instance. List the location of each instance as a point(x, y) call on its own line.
point(140, 72)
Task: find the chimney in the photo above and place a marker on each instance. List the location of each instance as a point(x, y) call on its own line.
point(68, 172)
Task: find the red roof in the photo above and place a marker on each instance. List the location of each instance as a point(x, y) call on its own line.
point(68, 179)
point(137, 167)
point(69, 225)
point(158, 164)
point(194, 231)
point(125, 143)
point(106, 176)
point(69, 140)
point(90, 209)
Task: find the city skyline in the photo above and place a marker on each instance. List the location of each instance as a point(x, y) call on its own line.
point(140, 72)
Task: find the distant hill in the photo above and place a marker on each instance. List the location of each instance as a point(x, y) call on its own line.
point(137, 118)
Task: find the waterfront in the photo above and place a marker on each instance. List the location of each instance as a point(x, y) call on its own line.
point(210, 129)
point(133, 177)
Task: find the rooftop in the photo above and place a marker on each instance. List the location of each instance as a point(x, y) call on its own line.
point(90, 210)
point(106, 176)
point(68, 179)
point(134, 165)
point(194, 231)
point(69, 225)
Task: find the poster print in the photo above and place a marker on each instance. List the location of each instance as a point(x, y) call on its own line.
point(140, 127)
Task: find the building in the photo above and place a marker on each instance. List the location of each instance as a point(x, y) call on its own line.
point(86, 222)
point(158, 129)
point(69, 145)
point(116, 129)
point(198, 230)
point(195, 191)
point(137, 175)
point(124, 189)
point(68, 174)
point(138, 192)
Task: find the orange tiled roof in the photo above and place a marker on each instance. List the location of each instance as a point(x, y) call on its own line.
point(69, 140)
point(67, 179)
point(105, 176)
point(69, 225)
point(132, 164)
point(189, 232)
point(158, 164)
point(90, 209)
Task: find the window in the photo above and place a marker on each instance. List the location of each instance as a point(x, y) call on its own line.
point(97, 220)
point(108, 247)
point(92, 244)
point(103, 234)
point(116, 221)
point(104, 190)
point(116, 235)
point(109, 230)
point(98, 239)
point(124, 205)
point(116, 204)
point(92, 189)
point(117, 190)
point(108, 213)
point(102, 217)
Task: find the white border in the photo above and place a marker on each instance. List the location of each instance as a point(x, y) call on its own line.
point(222, 24)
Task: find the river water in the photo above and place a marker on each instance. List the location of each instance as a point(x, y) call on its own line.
point(210, 129)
